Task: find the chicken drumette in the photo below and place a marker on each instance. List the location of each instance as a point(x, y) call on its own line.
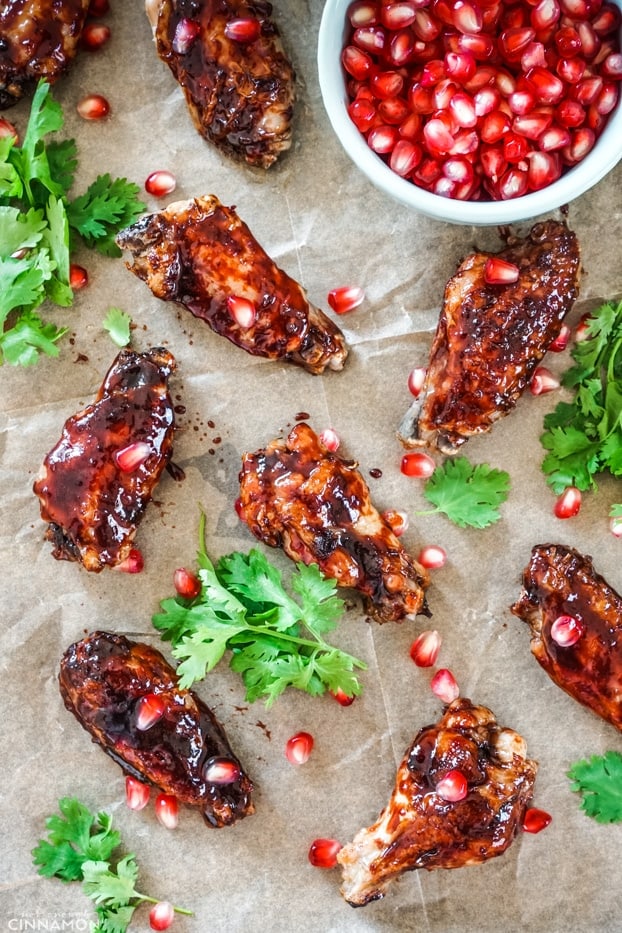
point(238, 83)
point(576, 627)
point(420, 828)
point(96, 483)
point(126, 696)
point(296, 495)
point(490, 338)
point(201, 254)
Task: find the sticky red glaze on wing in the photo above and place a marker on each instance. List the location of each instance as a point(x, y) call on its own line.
point(419, 829)
point(490, 338)
point(102, 679)
point(240, 94)
point(200, 253)
point(296, 495)
point(38, 39)
point(559, 581)
point(92, 506)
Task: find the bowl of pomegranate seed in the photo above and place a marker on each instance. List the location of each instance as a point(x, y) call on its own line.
point(475, 111)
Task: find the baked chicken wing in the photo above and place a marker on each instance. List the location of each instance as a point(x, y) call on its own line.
point(575, 619)
point(420, 828)
point(296, 495)
point(490, 338)
point(96, 483)
point(38, 39)
point(238, 83)
point(201, 254)
point(126, 696)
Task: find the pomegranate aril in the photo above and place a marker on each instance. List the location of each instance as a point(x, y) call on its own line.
point(362, 113)
point(397, 520)
point(393, 111)
point(382, 139)
point(521, 102)
point(581, 143)
point(570, 113)
point(186, 34)
point(576, 9)
point(556, 137)
point(93, 107)
point(547, 87)
point(494, 126)
point(362, 13)
point(444, 686)
point(466, 143)
point(425, 27)
point(467, 17)
point(160, 183)
point(405, 157)
point(607, 99)
point(582, 331)
point(612, 66)
point(536, 820)
point(615, 526)
point(417, 464)
point(568, 503)
point(98, 8)
point(543, 381)
point(416, 380)
point(420, 99)
point(445, 188)
point(587, 91)
point(401, 47)
point(433, 72)
point(346, 298)
point(480, 45)
point(428, 171)
point(356, 62)
point(532, 125)
point(323, 853)
point(221, 771)
point(330, 440)
point(425, 649)
point(561, 341)
point(546, 13)
point(493, 162)
point(386, 84)
point(460, 66)
point(534, 56)
point(486, 101)
point(130, 458)
point(167, 810)
point(566, 631)
point(500, 272)
point(432, 557)
point(397, 15)
point(94, 36)
point(513, 42)
point(242, 310)
point(7, 129)
point(161, 915)
point(136, 793)
point(78, 277)
point(244, 29)
point(590, 42)
point(453, 787)
point(568, 41)
point(512, 184)
point(133, 563)
point(570, 70)
point(370, 39)
point(342, 697)
point(186, 584)
point(607, 19)
point(544, 168)
point(298, 748)
point(149, 710)
point(437, 137)
point(462, 108)
point(515, 147)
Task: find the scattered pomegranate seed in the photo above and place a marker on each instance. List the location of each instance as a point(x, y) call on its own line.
point(323, 852)
point(221, 771)
point(569, 503)
point(187, 584)
point(133, 563)
point(417, 464)
point(346, 298)
point(93, 107)
point(160, 183)
point(244, 29)
point(499, 272)
point(615, 526)
point(149, 710)
point(243, 311)
point(330, 440)
point(566, 631)
point(130, 458)
point(342, 697)
point(167, 810)
point(298, 748)
point(78, 277)
point(161, 915)
point(536, 820)
point(7, 129)
point(237, 505)
point(136, 793)
point(561, 341)
point(444, 686)
point(432, 557)
point(94, 36)
point(425, 649)
point(99, 8)
point(397, 520)
point(186, 33)
point(416, 380)
point(453, 787)
point(543, 381)
point(582, 331)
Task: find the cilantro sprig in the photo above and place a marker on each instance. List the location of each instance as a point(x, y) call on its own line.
point(276, 639)
point(118, 324)
point(38, 221)
point(599, 781)
point(80, 847)
point(583, 437)
point(468, 494)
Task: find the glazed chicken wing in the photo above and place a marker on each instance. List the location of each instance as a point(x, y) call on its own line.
point(296, 495)
point(490, 338)
point(126, 696)
point(576, 627)
point(201, 254)
point(419, 828)
point(97, 481)
point(228, 58)
point(38, 39)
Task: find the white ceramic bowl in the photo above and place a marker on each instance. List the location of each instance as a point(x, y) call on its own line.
point(605, 154)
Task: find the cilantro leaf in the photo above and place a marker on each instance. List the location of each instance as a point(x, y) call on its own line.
point(469, 495)
point(320, 602)
point(110, 888)
point(114, 919)
point(599, 781)
point(63, 162)
point(117, 323)
point(105, 208)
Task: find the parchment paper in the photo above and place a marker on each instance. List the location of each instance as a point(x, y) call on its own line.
point(327, 226)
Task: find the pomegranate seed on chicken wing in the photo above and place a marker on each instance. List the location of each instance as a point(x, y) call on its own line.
point(229, 61)
point(103, 679)
point(38, 39)
point(92, 504)
point(576, 627)
point(491, 337)
point(420, 827)
point(201, 254)
point(297, 495)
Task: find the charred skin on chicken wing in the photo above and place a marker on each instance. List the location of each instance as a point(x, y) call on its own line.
point(490, 338)
point(560, 582)
point(240, 94)
point(103, 679)
point(202, 255)
point(38, 39)
point(419, 828)
point(96, 483)
point(296, 495)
